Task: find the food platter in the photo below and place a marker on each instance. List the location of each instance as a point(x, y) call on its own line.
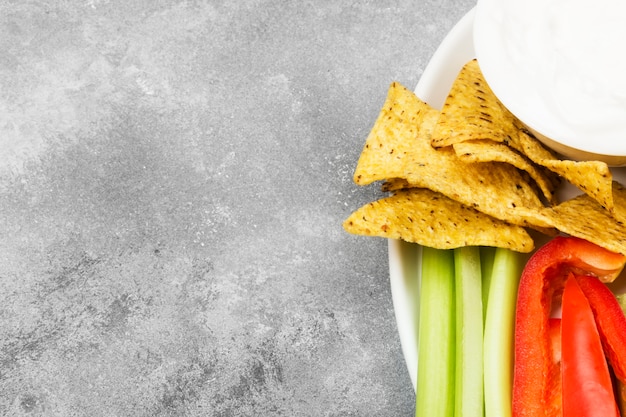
point(404, 258)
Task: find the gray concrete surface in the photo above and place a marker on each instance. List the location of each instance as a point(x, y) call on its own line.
point(173, 178)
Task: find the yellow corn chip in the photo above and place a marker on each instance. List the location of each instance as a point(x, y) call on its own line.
point(428, 218)
point(472, 112)
point(514, 215)
point(399, 147)
point(585, 218)
point(393, 136)
point(490, 151)
point(492, 188)
point(592, 177)
point(619, 200)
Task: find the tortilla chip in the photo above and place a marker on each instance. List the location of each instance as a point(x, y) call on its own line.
point(513, 215)
point(428, 218)
point(471, 111)
point(399, 147)
point(619, 200)
point(492, 188)
point(592, 177)
point(585, 218)
point(490, 151)
point(393, 135)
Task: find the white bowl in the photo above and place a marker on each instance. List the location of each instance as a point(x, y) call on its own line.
point(554, 64)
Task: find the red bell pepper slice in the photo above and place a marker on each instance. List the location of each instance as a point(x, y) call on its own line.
point(610, 320)
point(586, 381)
point(542, 281)
point(554, 400)
point(554, 329)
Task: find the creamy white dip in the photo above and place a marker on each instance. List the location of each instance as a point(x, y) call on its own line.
point(560, 66)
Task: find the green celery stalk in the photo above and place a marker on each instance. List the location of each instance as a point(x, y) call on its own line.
point(499, 333)
point(435, 371)
point(469, 333)
point(487, 254)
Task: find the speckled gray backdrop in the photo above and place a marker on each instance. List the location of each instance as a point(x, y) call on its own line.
point(173, 177)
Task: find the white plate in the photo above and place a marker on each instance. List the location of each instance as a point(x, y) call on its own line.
point(404, 258)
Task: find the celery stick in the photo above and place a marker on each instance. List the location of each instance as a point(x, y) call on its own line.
point(499, 333)
point(487, 255)
point(435, 372)
point(469, 333)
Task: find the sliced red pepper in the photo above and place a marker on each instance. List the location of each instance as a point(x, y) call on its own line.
point(554, 400)
point(542, 281)
point(586, 380)
point(554, 329)
point(610, 320)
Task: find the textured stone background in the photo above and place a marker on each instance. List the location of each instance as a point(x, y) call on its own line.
point(173, 177)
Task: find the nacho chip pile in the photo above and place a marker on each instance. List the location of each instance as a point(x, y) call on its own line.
point(472, 174)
